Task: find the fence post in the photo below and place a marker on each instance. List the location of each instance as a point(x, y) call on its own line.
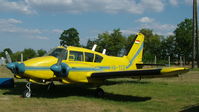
point(155, 60)
point(181, 61)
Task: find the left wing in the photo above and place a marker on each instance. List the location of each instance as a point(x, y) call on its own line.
point(140, 73)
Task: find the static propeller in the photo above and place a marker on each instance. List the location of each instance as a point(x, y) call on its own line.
point(8, 57)
point(15, 67)
point(60, 69)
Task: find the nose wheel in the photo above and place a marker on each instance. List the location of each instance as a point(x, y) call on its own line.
point(27, 92)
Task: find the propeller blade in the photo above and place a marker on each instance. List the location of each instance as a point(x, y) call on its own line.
point(61, 57)
point(8, 57)
point(21, 57)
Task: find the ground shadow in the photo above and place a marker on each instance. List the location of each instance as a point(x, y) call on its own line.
point(192, 108)
point(69, 90)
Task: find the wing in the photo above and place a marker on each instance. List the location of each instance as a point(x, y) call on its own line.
point(140, 73)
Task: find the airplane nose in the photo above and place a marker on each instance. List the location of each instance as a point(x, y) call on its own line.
point(16, 68)
point(60, 70)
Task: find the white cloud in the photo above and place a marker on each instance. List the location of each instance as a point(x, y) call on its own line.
point(108, 6)
point(59, 31)
point(190, 2)
point(128, 32)
point(15, 6)
point(11, 26)
point(39, 37)
point(162, 29)
point(145, 20)
point(155, 5)
point(173, 2)
point(79, 6)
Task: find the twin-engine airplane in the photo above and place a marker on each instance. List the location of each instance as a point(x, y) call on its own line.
point(71, 65)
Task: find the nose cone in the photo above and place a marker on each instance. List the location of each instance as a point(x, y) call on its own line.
point(60, 70)
point(55, 68)
point(16, 68)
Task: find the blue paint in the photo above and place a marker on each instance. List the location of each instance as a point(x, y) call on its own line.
point(6, 83)
point(37, 68)
point(60, 70)
point(137, 53)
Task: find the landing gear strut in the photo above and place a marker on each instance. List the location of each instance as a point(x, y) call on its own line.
point(99, 92)
point(51, 85)
point(27, 92)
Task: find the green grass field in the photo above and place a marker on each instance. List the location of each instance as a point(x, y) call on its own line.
point(180, 94)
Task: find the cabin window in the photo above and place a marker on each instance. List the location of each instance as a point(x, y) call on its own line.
point(98, 58)
point(76, 56)
point(89, 57)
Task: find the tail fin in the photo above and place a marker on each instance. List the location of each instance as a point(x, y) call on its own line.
point(135, 54)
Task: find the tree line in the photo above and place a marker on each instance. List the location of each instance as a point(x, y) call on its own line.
point(117, 44)
point(27, 53)
point(173, 46)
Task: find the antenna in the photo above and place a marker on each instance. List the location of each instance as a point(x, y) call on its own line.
point(94, 47)
point(104, 51)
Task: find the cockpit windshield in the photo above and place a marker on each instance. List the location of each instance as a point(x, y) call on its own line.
point(56, 52)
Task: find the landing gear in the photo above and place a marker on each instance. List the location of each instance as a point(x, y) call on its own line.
point(51, 85)
point(99, 92)
point(27, 92)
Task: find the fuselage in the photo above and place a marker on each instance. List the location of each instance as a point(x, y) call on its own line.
point(82, 62)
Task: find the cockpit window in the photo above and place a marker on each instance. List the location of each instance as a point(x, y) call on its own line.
point(56, 52)
point(98, 58)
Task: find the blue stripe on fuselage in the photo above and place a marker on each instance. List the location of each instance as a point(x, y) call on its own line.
point(71, 69)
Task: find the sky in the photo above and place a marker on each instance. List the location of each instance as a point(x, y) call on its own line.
point(38, 24)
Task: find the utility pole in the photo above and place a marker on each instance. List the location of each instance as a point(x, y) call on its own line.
point(197, 37)
point(195, 41)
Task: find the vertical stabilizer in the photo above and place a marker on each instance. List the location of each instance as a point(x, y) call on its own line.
point(135, 53)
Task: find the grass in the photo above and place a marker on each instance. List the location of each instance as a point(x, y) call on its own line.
point(179, 94)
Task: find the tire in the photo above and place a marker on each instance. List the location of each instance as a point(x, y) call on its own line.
point(99, 92)
point(27, 94)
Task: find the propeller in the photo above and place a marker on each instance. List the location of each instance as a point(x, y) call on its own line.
point(60, 69)
point(15, 67)
point(8, 57)
point(61, 56)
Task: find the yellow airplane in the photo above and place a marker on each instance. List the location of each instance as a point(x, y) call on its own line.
point(71, 65)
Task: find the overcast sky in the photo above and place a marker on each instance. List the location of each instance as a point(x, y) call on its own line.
point(38, 24)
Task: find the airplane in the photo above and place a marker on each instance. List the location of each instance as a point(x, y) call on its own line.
point(71, 65)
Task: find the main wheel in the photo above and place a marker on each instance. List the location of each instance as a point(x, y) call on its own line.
point(99, 92)
point(27, 94)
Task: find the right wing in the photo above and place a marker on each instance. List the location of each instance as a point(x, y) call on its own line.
point(140, 73)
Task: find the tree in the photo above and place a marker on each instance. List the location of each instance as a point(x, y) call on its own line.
point(16, 56)
point(129, 41)
point(29, 53)
point(152, 44)
point(70, 37)
point(41, 52)
point(113, 42)
point(168, 47)
point(183, 35)
point(8, 50)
